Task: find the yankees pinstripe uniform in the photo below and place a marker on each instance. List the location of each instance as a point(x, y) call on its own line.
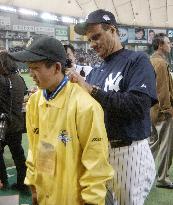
point(127, 91)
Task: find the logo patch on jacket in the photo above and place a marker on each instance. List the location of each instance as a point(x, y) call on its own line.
point(64, 137)
point(36, 130)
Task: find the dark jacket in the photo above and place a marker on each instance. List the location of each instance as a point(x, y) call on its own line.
point(14, 97)
point(164, 108)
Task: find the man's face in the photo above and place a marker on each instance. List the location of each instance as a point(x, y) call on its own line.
point(45, 78)
point(151, 35)
point(71, 55)
point(100, 40)
point(166, 47)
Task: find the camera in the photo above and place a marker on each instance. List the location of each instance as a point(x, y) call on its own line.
point(3, 125)
point(68, 63)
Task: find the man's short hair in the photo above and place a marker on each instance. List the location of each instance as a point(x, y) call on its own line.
point(70, 46)
point(158, 40)
point(151, 31)
point(108, 26)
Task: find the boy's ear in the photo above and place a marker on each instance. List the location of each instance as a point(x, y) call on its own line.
point(58, 67)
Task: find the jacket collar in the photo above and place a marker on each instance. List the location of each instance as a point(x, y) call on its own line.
point(159, 55)
point(59, 100)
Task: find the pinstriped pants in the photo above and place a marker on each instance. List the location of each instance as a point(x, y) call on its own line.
point(134, 173)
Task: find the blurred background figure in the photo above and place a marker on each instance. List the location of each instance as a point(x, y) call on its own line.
point(151, 35)
point(12, 89)
point(82, 68)
point(161, 141)
point(1, 185)
point(70, 51)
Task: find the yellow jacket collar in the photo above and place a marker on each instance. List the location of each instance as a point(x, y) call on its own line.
point(59, 100)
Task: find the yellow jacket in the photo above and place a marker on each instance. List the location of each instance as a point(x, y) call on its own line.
point(68, 148)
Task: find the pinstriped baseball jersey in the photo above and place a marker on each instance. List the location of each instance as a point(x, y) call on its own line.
point(121, 74)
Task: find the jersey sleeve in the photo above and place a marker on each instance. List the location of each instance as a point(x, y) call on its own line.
point(141, 77)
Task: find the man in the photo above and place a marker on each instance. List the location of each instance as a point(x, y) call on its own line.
point(12, 89)
point(151, 35)
point(83, 70)
point(124, 85)
point(70, 51)
point(162, 113)
point(68, 148)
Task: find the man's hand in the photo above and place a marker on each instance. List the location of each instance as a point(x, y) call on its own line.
point(77, 78)
point(74, 76)
point(34, 195)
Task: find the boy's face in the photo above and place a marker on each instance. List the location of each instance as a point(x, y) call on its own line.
point(45, 78)
point(139, 35)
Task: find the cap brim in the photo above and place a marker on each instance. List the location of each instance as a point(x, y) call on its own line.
point(26, 56)
point(81, 28)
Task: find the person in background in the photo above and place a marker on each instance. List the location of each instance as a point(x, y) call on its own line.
point(70, 51)
point(1, 185)
point(161, 141)
point(151, 35)
point(12, 91)
point(124, 85)
point(68, 147)
point(82, 69)
point(26, 96)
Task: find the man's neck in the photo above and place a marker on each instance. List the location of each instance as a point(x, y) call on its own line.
point(161, 53)
point(117, 47)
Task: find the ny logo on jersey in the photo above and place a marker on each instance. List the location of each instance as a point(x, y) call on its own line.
point(143, 86)
point(113, 83)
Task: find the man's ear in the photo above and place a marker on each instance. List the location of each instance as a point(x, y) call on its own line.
point(160, 46)
point(113, 29)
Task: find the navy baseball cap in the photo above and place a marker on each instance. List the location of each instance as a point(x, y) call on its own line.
point(95, 17)
point(42, 48)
